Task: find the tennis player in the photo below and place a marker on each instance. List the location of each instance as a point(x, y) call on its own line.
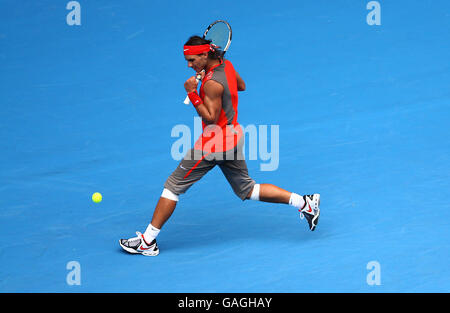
point(220, 144)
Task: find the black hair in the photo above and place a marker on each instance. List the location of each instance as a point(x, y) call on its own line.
point(197, 41)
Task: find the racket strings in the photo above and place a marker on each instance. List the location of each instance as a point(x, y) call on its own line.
point(219, 34)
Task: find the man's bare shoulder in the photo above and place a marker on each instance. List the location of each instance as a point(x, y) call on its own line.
point(212, 87)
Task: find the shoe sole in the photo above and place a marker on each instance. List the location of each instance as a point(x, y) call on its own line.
point(315, 220)
point(146, 253)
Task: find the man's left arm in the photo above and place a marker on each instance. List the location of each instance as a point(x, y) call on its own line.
point(240, 82)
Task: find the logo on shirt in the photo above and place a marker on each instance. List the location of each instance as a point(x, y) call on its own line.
point(210, 74)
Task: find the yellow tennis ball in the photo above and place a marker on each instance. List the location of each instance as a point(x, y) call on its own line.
point(97, 197)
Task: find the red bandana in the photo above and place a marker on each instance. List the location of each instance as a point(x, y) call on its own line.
point(194, 50)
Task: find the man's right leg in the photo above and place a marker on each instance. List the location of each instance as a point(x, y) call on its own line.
point(163, 211)
point(146, 243)
point(191, 169)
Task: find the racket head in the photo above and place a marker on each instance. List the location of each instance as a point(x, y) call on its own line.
point(220, 34)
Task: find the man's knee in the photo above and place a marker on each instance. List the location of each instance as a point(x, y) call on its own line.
point(254, 193)
point(247, 192)
point(169, 195)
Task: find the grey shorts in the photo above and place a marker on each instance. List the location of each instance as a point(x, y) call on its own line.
point(195, 165)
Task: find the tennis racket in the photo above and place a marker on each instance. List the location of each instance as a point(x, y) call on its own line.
point(219, 32)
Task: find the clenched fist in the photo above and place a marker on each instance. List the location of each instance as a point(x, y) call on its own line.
point(191, 84)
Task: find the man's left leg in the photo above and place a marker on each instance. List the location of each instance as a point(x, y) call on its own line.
point(308, 205)
point(271, 193)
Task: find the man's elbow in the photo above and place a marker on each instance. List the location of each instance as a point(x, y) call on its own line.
point(241, 87)
point(208, 120)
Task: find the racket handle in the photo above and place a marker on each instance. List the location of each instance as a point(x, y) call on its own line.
point(186, 101)
point(197, 79)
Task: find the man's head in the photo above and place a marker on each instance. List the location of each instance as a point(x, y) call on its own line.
point(202, 53)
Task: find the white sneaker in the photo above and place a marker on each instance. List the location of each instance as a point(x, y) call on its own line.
point(311, 210)
point(139, 245)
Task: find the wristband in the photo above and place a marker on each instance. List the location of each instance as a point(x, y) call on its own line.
point(195, 98)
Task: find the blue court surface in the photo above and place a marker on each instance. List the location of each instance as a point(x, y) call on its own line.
point(363, 113)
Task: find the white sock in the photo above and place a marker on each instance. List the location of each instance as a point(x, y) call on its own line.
point(150, 233)
point(296, 201)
